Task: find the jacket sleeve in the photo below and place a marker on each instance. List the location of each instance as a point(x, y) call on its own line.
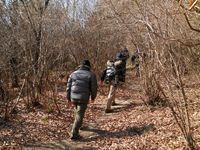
point(68, 90)
point(118, 62)
point(93, 87)
point(103, 75)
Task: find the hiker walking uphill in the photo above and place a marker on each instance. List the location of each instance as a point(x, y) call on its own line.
point(122, 56)
point(110, 76)
point(81, 86)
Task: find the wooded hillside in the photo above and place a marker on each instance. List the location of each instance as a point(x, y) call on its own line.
point(43, 41)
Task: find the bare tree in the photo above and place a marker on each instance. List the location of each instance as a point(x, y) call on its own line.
point(167, 36)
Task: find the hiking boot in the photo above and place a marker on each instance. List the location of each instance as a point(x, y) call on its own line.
point(76, 137)
point(108, 111)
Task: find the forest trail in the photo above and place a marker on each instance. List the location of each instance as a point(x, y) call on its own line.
point(92, 130)
point(132, 125)
point(43, 41)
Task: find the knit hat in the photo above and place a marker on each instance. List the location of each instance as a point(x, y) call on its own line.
point(85, 62)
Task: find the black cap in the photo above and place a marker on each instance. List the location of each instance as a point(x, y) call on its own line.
point(85, 62)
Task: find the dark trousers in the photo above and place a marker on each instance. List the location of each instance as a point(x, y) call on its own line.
point(79, 113)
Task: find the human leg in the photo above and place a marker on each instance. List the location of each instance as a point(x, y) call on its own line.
point(111, 97)
point(78, 121)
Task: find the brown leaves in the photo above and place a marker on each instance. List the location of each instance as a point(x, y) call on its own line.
point(130, 126)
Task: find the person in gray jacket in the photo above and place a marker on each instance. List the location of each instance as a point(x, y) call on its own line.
point(81, 87)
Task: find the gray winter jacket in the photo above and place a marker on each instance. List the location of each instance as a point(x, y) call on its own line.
point(82, 85)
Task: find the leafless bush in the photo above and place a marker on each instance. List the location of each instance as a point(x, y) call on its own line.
point(165, 33)
point(44, 38)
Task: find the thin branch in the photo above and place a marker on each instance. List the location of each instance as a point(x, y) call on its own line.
point(192, 4)
point(188, 22)
point(19, 96)
point(186, 17)
point(123, 22)
point(29, 18)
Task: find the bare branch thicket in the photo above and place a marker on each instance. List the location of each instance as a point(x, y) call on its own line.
point(33, 45)
point(41, 43)
point(170, 42)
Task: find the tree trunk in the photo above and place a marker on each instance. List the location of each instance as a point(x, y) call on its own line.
point(14, 77)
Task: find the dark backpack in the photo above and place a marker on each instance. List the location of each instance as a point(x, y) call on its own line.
point(110, 74)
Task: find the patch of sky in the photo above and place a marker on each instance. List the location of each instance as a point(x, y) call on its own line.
point(80, 10)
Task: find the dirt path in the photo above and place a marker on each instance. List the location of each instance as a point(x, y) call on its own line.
point(131, 126)
point(96, 130)
point(91, 131)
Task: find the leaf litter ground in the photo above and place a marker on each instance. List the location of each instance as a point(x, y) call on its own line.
point(132, 125)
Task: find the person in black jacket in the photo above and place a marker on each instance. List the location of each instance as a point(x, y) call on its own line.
point(81, 87)
point(123, 55)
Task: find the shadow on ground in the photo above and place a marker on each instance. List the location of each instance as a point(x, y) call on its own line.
point(130, 131)
point(98, 134)
point(122, 107)
point(58, 145)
